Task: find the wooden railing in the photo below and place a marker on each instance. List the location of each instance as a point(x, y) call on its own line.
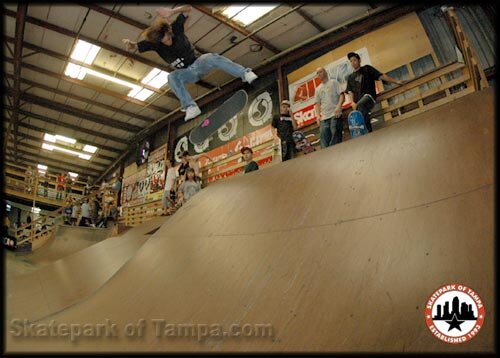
point(138, 214)
point(454, 82)
point(478, 77)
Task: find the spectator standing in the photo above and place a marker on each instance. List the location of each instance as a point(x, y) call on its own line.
point(75, 212)
point(285, 125)
point(248, 157)
point(329, 99)
point(190, 186)
point(168, 198)
point(68, 181)
point(28, 179)
point(85, 211)
point(60, 179)
point(45, 184)
point(361, 86)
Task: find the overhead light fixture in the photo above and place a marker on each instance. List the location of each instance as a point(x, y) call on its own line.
point(73, 175)
point(69, 151)
point(155, 78)
point(248, 15)
point(35, 210)
point(84, 52)
point(42, 167)
point(53, 138)
point(89, 148)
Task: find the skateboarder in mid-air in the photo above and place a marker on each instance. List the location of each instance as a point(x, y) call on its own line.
point(171, 43)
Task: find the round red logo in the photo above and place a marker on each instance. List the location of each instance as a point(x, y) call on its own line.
point(454, 313)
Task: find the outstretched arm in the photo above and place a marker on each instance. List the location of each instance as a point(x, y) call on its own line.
point(165, 12)
point(388, 78)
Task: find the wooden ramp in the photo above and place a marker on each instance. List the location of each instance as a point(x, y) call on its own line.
point(67, 240)
point(338, 250)
point(62, 283)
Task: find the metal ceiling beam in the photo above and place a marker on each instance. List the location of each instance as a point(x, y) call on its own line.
point(83, 99)
point(73, 111)
point(53, 167)
point(91, 87)
point(69, 166)
point(103, 45)
point(43, 131)
point(309, 19)
point(125, 19)
point(70, 126)
point(59, 156)
point(65, 58)
point(41, 140)
point(22, 10)
point(236, 27)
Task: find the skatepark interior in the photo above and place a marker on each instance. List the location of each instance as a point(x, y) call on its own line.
point(334, 251)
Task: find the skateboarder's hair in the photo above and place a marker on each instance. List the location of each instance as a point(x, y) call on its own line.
point(353, 54)
point(157, 32)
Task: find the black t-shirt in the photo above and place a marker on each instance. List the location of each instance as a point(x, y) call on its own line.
point(251, 166)
point(362, 82)
point(283, 123)
point(180, 54)
point(182, 168)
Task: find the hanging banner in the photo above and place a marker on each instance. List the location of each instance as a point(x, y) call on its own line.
point(258, 113)
point(146, 183)
point(302, 92)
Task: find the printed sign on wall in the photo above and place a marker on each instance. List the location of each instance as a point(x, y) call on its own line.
point(146, 184)
point(258, 113)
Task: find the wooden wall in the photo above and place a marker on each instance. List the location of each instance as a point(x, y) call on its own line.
point(393, 45)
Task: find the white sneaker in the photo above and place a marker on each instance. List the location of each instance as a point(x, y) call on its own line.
point(192, 112)
point(250, 77)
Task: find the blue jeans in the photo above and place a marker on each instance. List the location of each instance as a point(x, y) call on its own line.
point(329, 132)
point(203, 65)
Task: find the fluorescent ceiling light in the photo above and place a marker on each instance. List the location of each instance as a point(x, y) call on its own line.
point(49, 137)
point(47, 146)
point(89, 148)
point(73, 175)
point(143, 94)
point(65, 139)
point(75, 71)
point(84, 156)
point(152, 74)
point(249, 15)
point(69, 151)
point(85, 52)
point(156, 78)
point(42, 167)
point(35, 210)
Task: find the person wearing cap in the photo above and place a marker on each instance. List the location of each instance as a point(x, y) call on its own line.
point(188, 161)
point(329, 99)
point(285, 124)
point(248, 157)
point(361, 86)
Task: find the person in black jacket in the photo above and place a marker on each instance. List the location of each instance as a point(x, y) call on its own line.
point(285, 124)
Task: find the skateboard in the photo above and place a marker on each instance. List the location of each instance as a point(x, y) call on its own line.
point(302, 143)
point(356, 124)
point(231, 107)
